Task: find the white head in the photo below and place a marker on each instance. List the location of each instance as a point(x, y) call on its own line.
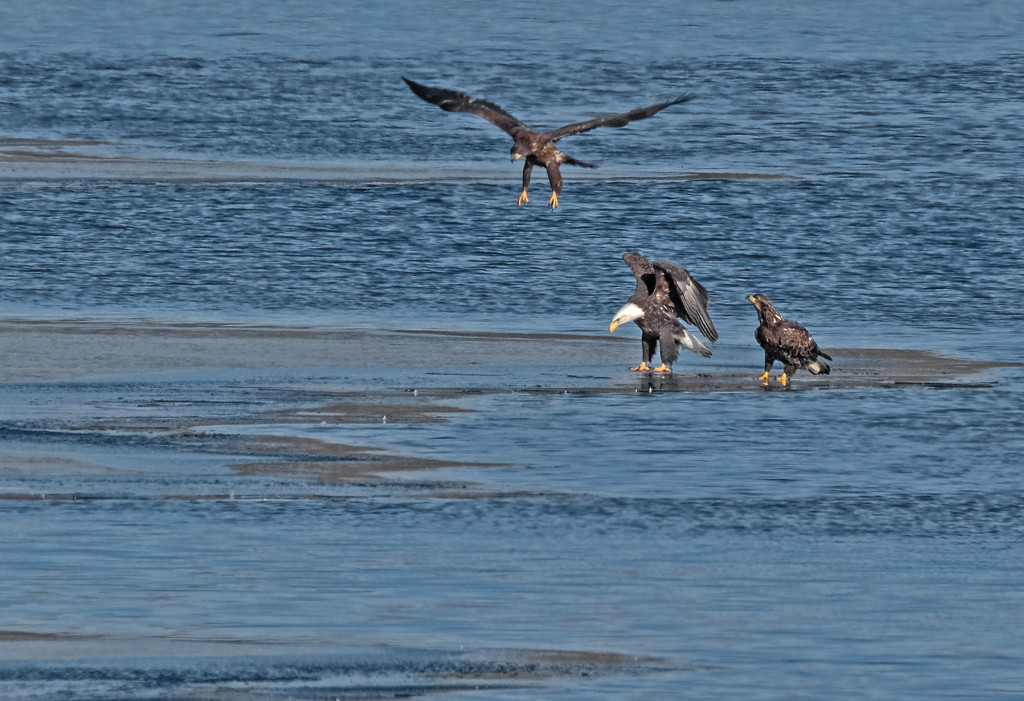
point(630, 312)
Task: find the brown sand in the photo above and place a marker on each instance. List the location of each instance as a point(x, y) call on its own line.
point(51, 350)
point(34, 351)
point(8, 636)
point(56, 160)
point(332, 463)
point(46, 351)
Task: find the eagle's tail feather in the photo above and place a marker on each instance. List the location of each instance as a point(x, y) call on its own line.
point(691, 342)
point(819, 366)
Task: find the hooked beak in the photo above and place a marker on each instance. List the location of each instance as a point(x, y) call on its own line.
point(630, 312)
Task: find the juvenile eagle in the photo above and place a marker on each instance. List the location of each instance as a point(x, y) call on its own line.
point(786, 341)
point(537, 147)
point(665, 291)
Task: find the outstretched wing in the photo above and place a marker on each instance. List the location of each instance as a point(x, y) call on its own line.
point(643, 271)
point(455, 101)
point(689, 297)
point(615, 120)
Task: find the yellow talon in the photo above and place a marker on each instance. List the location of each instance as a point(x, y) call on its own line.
point(554, 200)
point(783, 380)
point(764, 378)
point(642, 367)
point(663, 368)
point(523, 199)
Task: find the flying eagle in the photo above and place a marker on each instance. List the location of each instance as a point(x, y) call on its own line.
point(665, 291)
point(537, 147)
point(786, 341)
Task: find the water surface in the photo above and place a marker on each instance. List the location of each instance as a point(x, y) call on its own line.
point(265, 164)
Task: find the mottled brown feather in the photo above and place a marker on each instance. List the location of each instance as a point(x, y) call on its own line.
point(535, 147)
point(786, 341)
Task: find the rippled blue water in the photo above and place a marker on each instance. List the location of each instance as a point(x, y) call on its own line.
point(854, 544)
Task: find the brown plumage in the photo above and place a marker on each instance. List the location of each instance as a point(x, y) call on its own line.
point(786, 341)
point(665, 292)
point(537, 147)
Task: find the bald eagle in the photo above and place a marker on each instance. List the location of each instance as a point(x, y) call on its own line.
point(537, 147)
point(665, 292)
point(785, 341)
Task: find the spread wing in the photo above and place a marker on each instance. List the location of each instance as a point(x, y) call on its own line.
point(455, 101)
point(643, 271)
point(616, 120)
point(690, 298)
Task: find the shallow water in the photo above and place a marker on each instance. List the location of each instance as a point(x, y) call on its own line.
point(855, 543)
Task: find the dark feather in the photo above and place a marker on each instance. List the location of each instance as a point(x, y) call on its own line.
point(642, 270)
point(616, 120)
point(689, 297)
point(455, 101)
point(786, 341)
point(534, 147)
point(667, 292)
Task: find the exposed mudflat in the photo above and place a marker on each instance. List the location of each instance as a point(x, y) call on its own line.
point(297, 403)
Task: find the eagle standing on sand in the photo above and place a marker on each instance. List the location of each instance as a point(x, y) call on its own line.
point(785, 341)
point(665, 292)
point(537, 147)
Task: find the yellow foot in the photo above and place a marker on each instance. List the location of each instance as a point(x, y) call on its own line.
point(523, 199)
point(764, 378)
point(554, 200)
point(642, 367)
point(663, 368)
point(783, 380)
